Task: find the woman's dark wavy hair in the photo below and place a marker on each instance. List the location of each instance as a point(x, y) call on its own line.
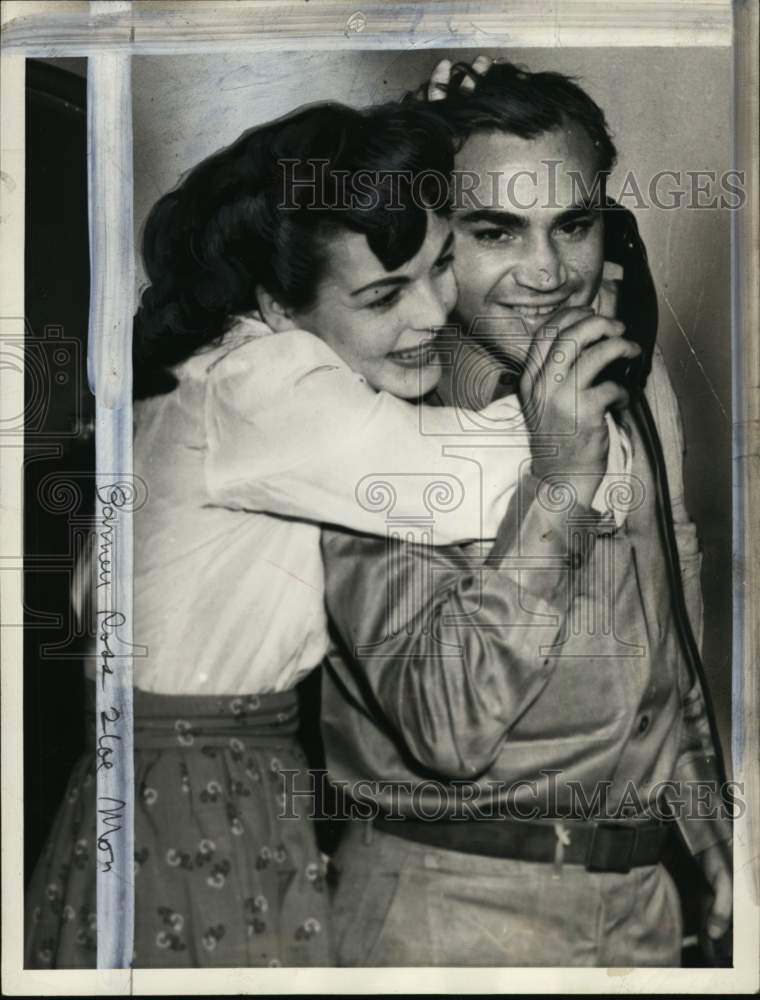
point(509, 98)
point(223, 230)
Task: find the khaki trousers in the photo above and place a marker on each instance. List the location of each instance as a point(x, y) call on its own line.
point(398, 903)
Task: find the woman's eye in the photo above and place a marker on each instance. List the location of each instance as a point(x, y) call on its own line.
point(385, 300)
point(444, 263)
point(493, 236)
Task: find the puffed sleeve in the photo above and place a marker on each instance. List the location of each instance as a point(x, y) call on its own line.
point(293, 431)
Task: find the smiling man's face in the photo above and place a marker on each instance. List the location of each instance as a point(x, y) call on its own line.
point(534, 246)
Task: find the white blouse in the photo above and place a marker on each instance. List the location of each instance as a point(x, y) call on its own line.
point(229, 600)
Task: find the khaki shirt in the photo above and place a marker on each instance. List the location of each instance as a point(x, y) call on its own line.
point(454, 684)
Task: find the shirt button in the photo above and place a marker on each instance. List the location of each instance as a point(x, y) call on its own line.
point(643, 723)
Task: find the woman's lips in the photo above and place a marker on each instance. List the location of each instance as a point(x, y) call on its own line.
point(415, 356)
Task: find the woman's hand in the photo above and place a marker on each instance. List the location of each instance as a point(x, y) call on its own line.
point(436, 88)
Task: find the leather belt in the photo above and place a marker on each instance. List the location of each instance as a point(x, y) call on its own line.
point(599, 847)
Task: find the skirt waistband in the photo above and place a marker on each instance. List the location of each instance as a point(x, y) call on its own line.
point(166, 720)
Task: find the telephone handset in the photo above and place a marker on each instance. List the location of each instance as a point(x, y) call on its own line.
point(637, 299)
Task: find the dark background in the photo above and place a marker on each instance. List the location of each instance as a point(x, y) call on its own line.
point(56, 296)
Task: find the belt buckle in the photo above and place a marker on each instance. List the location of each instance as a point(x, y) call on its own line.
point(611, 848)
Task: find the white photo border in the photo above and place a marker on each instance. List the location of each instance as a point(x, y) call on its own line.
point(110, 34)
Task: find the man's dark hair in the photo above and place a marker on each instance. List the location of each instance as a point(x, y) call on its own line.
point(509, 98)
point(223, 230)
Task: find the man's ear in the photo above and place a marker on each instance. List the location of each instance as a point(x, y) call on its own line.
point(274, 313)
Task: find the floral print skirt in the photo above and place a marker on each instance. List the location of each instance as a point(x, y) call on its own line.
point(226, 871)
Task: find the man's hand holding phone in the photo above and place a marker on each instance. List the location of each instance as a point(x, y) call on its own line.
point(564, 406)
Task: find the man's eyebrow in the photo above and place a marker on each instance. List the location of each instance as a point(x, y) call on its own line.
point(576, 212)
point(497, 217)
point(508, 220)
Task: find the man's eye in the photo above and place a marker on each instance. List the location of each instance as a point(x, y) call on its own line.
point(577, 228)
point(443, 263)
point(385, 300)
point(493, 235)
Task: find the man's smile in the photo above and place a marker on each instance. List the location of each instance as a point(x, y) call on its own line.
point(532, 311)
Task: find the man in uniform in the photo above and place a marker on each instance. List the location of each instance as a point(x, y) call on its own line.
point(517, 729)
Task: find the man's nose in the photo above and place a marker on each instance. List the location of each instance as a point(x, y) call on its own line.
point(541, 269)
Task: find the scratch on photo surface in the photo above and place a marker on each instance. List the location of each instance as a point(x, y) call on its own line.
point(416, 22)
point(668, 234)
point(696, 357)
point(477, 30)
point(277, 566)
point(698, 308)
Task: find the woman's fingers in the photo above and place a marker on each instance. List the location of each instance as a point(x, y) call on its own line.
point(439, 80)
point(480, 66)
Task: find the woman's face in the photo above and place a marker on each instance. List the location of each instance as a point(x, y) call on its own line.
point(382, 322)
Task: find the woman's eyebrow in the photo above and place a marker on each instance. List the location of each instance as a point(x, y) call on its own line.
point(402, 279)
point(399, 279)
